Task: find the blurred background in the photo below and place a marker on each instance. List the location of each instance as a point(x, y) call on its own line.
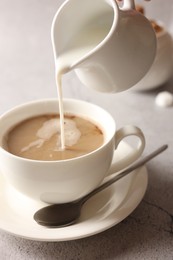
point(160, 10)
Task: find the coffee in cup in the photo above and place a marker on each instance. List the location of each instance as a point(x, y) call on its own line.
point(38, 138)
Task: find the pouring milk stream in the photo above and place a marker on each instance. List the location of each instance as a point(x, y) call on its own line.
point(110, 48)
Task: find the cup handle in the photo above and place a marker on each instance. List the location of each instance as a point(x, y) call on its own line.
point(128, 4)
point(125, 131)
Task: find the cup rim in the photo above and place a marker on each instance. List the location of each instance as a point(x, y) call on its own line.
point(52, 100)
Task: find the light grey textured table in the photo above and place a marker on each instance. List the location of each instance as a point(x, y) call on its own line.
point(27, 73)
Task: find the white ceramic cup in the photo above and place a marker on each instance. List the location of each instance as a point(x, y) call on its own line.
point(66, 180)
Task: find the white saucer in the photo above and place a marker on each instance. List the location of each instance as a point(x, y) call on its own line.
point(101, 212)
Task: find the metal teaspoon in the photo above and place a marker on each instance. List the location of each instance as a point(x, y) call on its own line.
point(65, 214)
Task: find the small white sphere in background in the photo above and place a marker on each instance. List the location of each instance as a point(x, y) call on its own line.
point(164, 99)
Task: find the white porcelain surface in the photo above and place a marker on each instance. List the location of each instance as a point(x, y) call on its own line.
point(122, 58)
point(103, 211)
point(162, 67)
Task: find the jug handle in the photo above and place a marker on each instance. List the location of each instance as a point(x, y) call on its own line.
point(128, 4)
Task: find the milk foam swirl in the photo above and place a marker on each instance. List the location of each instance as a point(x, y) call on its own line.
point(52, 127)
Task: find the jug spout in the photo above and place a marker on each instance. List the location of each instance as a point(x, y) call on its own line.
point(76, 17)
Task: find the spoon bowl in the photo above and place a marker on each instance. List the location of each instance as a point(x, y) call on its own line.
point(59, 214)
point(65, 214)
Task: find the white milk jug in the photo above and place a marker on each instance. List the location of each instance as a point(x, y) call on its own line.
point(110, 48)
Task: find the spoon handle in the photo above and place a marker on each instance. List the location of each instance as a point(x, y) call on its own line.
point(136, 165)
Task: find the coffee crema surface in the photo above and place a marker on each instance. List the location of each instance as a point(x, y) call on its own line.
point(38, 138)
